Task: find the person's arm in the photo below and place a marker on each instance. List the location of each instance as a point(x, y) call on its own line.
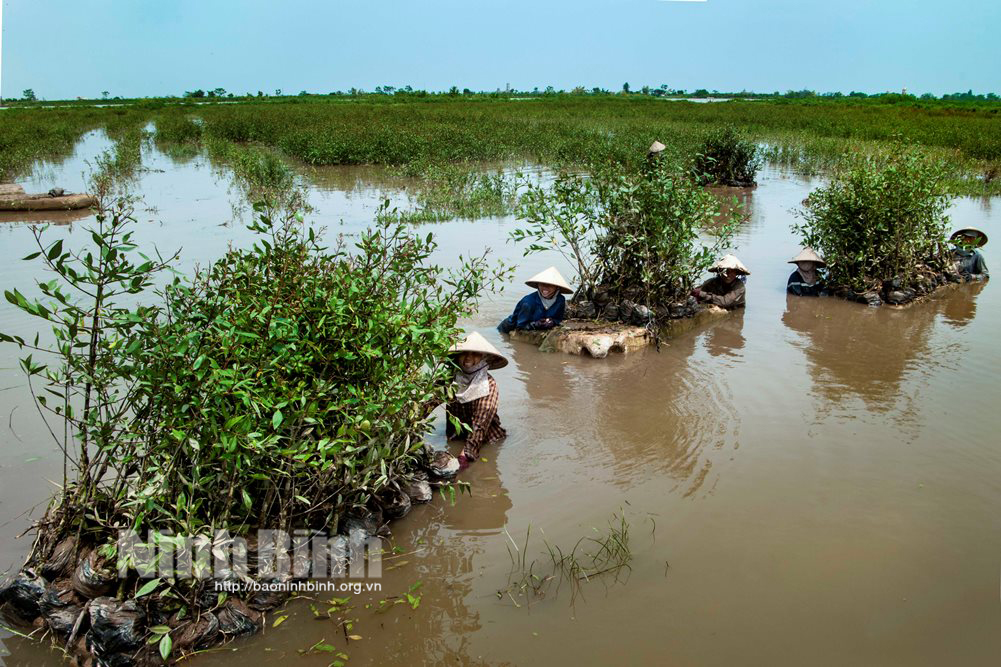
point(700, 293)
point(731, 299)
point(980, 265)
point(511, 322)
point(794, 285)
point(483, 410)
point(527, 312)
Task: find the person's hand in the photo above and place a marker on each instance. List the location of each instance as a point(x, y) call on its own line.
point(697, 293)
point(463, 461)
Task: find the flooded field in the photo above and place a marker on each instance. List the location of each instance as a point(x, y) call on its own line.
point(808, 482)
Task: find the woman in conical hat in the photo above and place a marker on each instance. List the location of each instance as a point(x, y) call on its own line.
point(542, 309)
point(967, 260)
point(726, 290)
point(476, 397)
point(806, 279)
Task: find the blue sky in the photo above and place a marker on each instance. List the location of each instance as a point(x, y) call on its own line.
point(69, 48)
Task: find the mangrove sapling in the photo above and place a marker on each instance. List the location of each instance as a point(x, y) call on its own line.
point(563, 217)
point(269, 390)
point(881, 223)
point(87, 389)
point(643, 235)
point(727, 158)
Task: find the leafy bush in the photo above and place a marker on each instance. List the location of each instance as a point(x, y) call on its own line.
point(881, 219)
point(282, 384)
point(178, 128)
point(634, 234)
point(726, 158)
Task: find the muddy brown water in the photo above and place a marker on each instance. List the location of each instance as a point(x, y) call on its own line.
point(808, 482)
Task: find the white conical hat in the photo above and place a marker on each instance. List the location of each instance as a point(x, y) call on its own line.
point(729, 262)
point(970, 231)
point(550, 277)
point(808, 255)
point(474, 342)
point(655, 147)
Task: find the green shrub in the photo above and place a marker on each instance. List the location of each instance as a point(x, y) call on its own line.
point(278, 386)
point(726, 158)
point(178, 128)
point(881, 219)
point(634, 234)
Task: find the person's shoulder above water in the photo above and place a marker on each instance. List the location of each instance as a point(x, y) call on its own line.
point(727, 289)
point(806, 280)
point(542, 309)
point(967, 260)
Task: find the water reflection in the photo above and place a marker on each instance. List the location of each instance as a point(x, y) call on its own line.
point(726, 339)
point(53, 217)
point(482, 511)
point(960, 308)
point(545, 377)
point(663, 412)
point(736, 200)
point(856, 351)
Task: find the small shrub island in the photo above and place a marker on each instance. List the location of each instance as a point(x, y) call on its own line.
point(638, 239)
point(881, 226)
point(285, 387)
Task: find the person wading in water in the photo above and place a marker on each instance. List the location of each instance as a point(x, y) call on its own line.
point(476, 397)
point(806, 279)
point(542, 309)
point(967, 260)
point(726, 290)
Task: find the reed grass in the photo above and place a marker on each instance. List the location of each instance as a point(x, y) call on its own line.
point(602, 556)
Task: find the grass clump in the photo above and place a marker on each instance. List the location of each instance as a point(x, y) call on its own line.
point(449, 191)
point(727, 158)
point(881, 221)
point(605, 554)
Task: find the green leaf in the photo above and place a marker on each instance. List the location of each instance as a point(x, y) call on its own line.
point(276, 419)
point(279, 621)
point(166, 646)
point(56, 249)
point(148, 588)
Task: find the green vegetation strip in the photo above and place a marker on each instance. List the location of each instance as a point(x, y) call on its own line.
point(553, 130)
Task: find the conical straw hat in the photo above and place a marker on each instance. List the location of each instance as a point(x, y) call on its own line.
point(808, 255)
point(970, 231)
point(729, 262)
point(550, 277)
point(474, 342)
point(655, 147)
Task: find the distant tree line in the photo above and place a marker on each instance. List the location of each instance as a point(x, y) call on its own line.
point(663, 90)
